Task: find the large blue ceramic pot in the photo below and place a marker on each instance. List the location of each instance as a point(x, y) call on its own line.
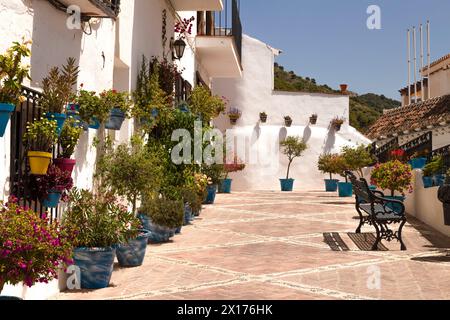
point(225, 186)
point(287, 185)
point(158, 234)
point(96, 266)
point(331, 185)
point(345, 189)
point(60, 118)
point(427, 182)
point(418, 163)
point(132, 254)
point(5, 114)
point(211, 196)
point(116, 119)
point(187, 215)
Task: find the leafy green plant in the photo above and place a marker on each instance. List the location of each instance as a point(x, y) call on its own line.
point(167, 74)
point(357, 158)
point(40, 135)
point(31, 247)
point(130, 171)
point(99, 222)
point(329, 163)
point(164, 212)
point(215, 172)
point(202, 103)
point(69, 137)
point(435, 166)
point(12, 72)
point(57, 87)
point(393, 176)
point(114, 99)
point(56, 180)
point(292, 148)
point(91, 106)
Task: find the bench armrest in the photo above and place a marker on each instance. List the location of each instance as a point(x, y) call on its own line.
point(399, 203)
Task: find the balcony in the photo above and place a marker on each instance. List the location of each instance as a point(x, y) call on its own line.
point(197, 5)
point(219, 41)
point(91, 8)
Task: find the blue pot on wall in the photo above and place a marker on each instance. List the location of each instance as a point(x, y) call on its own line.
point(427, 182)
point(52, 200)
point(418, 163)
point(158, 234)
point(5, 114)
point(331, 185)
point(287, 185)
point(96, 266)
point(394, 206)
point(94, 123)
point(116, 119)
point(225, 186)
point(345, 189)
point(60, 118)
point(132, 254)
point(211, 196)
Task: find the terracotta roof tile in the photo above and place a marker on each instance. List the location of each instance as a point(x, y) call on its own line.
point(431, 112)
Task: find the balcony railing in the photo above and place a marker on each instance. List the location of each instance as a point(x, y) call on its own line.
point(226, 23)
point(91, 8)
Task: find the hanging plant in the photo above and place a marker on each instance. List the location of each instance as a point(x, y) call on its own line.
point(313, 119)
point(288, 121)
point(263, 117)
point(336, 123)
point(234, 114)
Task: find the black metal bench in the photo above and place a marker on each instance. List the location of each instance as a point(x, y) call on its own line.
point(378, 211)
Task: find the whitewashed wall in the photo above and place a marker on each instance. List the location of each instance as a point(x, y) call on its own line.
point(252, 94)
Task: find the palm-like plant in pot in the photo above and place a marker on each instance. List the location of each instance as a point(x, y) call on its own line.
point(100, 225)
point(39, 139)
point(57, 90)
point(68, 140)
point(130, 171)
point(32, 248)
point(52, 187)
point(12, 74)
point(292, 148)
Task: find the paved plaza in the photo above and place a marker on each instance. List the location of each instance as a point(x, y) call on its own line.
point(272, 245)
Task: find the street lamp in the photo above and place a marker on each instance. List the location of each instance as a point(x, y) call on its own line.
point(178, 49)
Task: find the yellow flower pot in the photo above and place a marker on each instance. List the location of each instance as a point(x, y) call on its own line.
point(39, 162)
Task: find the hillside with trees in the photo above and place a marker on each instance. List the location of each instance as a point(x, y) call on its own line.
point(364, 109)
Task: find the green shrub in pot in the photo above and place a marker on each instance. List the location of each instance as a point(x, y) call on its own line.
point(67, 141)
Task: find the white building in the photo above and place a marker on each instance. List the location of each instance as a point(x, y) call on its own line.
point(109, 46)
point(254, 93)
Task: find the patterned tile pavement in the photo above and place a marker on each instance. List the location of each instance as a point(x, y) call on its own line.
point(270, 245)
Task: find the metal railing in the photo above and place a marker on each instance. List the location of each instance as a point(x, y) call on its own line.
point(183, 89)
point(111, 8)
point(420, 145)
point(384, 152)
point(226, 23)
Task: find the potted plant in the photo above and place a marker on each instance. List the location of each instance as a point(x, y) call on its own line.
point(328, 164)
point(229, 167)
point(394, 176)
point(100, 225)
point(313, 119)
point(432, 172)
point(337, 123)
point(120, 103)
point(57, 90)
point(200, 186)
point(12, 74)
point(39, 139)
point(418, 160)
point(67, 141)
point(32, 248)
point(287, 121)
point(444, 197)
point(161, 217)
point(345, 189)
point(234, 114)
point(292, 148)
point(214, 172)
point(90, 108)
point(115, 169)
point(344, 87)
point(263, 117)
point(53, 186)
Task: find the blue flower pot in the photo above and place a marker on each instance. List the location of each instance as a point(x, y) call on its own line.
point(187, 215)
point(5, 114)
point(394, 206)
point(439, 180)
point(225, 186)
point(96, 266)
point(158, 234)
point(345, 189)
point(373, 188)
point(53, 199)
point(132, 254)
point(331, 185)
point(116, 119)
point(94, 123)
point(211, 196)
point(418, 163)
point(60, 118)
point(178, 230)
point(287, 185)
point(427, 182)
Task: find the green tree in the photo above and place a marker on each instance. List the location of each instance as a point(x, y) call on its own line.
point(293, 147)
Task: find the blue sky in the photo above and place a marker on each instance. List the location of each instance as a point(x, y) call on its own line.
point(328, 40)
